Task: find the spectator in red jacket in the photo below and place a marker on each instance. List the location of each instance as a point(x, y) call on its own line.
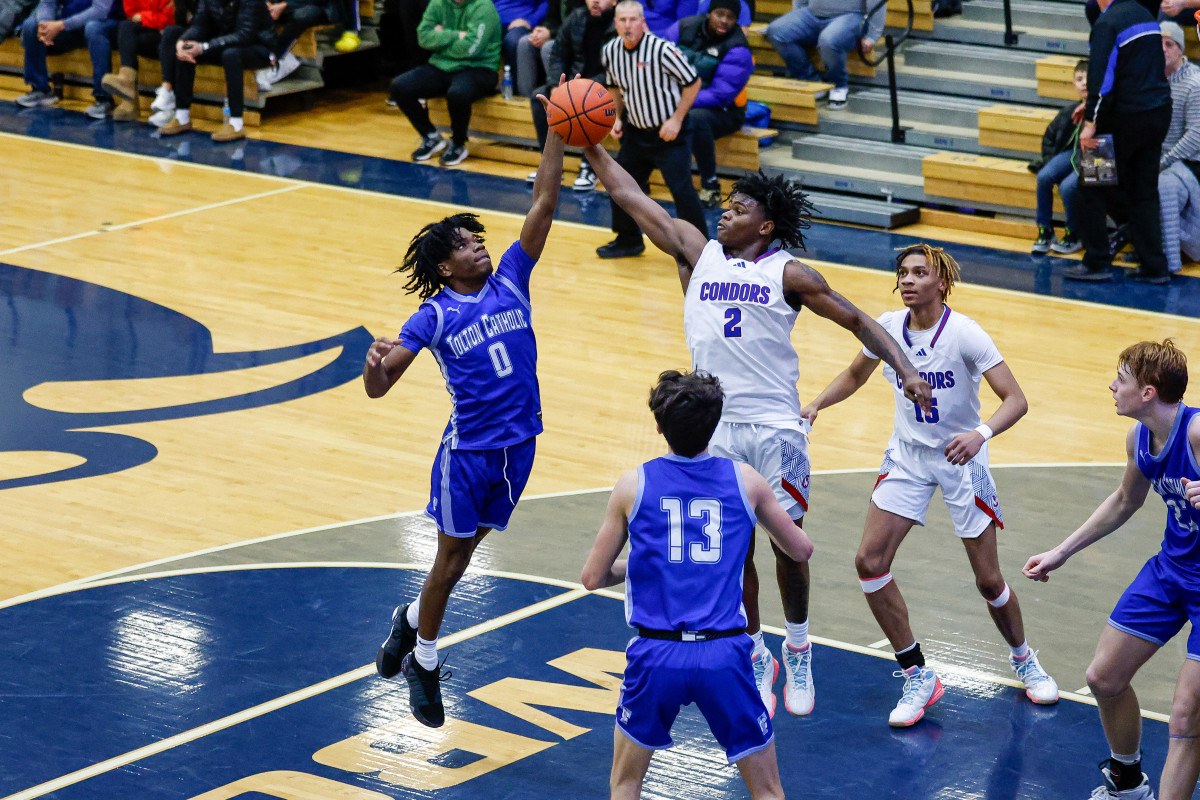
point(139, 34)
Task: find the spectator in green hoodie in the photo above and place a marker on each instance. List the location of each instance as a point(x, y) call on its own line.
point(464, 39)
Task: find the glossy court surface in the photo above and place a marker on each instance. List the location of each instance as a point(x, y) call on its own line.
point(208, 523)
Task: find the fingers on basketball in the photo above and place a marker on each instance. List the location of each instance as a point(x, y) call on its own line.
point(581, 112)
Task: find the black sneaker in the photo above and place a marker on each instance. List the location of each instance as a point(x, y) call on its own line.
point(586, 181)
point(431, 145)
point(455, 154)
point(1081, 273)
point(710, 193)
point(1044, 241)
point(399, 643)
point(1157, 278)
point(618, 249)
point(425, 691)
point(1069, 243)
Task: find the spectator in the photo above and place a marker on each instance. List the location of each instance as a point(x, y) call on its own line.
point(1129, 98)
point(140, 33)
point(745, 14)
point(720, 54)
point(232, 33)
point(657, 87)
point(12, 14)
point(662, 14)
point(1056, 167)
point(577, 52)
point(517, 20)
point(464, 39)
point(293, 18)
point(56, 27)
point(163, 105)
point(831, 25)
point(1178, 188)
point(534, 51)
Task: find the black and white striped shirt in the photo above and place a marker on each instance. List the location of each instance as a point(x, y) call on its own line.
point(651, 77)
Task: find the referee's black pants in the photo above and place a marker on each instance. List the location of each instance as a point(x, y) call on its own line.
point(1137, 139)
point(642, 151)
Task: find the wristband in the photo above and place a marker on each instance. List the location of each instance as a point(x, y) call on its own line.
point(984, 431)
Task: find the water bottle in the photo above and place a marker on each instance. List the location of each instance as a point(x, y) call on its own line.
point(225, 111)
point(506, 84)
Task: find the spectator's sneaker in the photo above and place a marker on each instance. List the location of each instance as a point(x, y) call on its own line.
point(37, 98)
point(766, 669)
point(400, 642)
point(174, 127)
point(348, 42)
point(1109, 790)
point(1081, 273)
point(1069, 243)
point(164, 100)
point(101, 109)
point(455, 154)
point(285, 65)
point(618, 249)
point(161, 118)
point(837, 97)
point(922, 688)
point(228, 133)
point(1044, 242)
point(1142, 275)
point(425, 691)
point(586, 181)
point(1039, 687)
point(431, 145)
point(710, 193)
point(531, 177)
point(126, 111)
point(799, 693)
point(390, 101)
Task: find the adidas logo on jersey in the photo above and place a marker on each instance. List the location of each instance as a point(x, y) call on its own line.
point(921, 352)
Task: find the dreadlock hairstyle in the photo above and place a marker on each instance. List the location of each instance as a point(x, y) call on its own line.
point(782, 202)
point(938, 260)
point(431, 246)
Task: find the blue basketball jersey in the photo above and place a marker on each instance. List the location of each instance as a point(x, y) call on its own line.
point(689, 532)
point(485, 346)
point(1166, 473)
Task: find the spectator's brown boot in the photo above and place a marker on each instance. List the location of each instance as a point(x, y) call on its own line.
point(122, 83)
point(126, 110)
point(227, 133)
point(174, 128)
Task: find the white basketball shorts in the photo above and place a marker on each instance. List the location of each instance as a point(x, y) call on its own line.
point(778, 454)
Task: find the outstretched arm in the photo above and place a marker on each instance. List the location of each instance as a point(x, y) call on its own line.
point(847, 383)
point(545, 193)
point(1114, 512)
point(387, 360)
point(804, 281)
point(602, 567)
point(676, 238)
point(965, 446)
point(786, 534)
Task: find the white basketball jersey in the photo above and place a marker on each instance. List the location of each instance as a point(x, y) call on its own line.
point(952, 356)
point(739, 328)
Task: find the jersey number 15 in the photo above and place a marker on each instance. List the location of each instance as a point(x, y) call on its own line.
point(932, 416)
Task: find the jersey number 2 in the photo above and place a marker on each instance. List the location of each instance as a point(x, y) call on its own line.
point(707, 509)
point(733, 323)
point(500, 360)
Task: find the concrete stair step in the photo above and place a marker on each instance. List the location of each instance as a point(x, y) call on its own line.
point(1030, 14)
point(840, 153)
point(915, 107)
point(864, 211)
point(972, 60)
point(869, 182)
point(962, 83)
point(1044, 40)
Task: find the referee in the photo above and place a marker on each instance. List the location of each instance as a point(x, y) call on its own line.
point(657, 87)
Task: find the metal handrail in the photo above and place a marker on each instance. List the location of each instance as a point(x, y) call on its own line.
point(891, 43)
point(1010, 37)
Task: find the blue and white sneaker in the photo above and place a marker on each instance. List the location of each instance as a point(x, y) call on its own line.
point(766, 669)
point(1039, 687)
point(799, 693)
point(922, 688)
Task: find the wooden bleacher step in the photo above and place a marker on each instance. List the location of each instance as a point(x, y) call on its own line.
point(790, 100)
point(985, 182)
point(1014, 128)
point(1055, 75)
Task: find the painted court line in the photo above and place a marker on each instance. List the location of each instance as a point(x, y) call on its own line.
point(281, 702)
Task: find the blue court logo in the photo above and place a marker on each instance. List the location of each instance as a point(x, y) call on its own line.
point(57, 329)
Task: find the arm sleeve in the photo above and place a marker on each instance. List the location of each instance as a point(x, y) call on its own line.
point(418, 331)
point(427, 37)
point(249, 23)
point(517, 266)
point(978, 349)
point(1188, 146)
point(731, 77)
point(483, 26)
point(98, 10)
point(1102, 63)
point(156, 14)
point(44, 11)
point(875, 22)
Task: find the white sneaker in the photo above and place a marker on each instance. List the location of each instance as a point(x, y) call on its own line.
point(531, 177)
point(262, 77)
point(285, 66)
point(164, 100)
point(799, 693)
point(1109, 790)
point(586, 180)
point(160, 118)
point(922, 688)
point(837, 97)
point(766, 669)
point(1039, 687)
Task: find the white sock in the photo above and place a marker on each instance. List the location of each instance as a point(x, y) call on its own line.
point(426, 653)
point(1133, 758)
point(1020, 652)
point(414, 611)
point(236, 122)
point(183, 115)
point(759, 645)
point(797, 634)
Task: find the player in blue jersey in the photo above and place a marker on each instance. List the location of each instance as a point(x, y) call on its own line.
point(1163, 448)
point(689, 519)
point(475, 320)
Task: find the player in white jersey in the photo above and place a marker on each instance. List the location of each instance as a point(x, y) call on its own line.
point(944, 445)
point(741, 299)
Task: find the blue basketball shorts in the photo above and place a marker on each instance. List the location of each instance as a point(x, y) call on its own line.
point(1158, 603)
point(661, 677)
point(472, 489)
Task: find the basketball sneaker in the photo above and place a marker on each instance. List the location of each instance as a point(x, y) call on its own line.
point(1039, 687)
point(1069, 243)
point(586, 180)
point(431, 145)
point(766, 670)
point(799, 694)
point(1044, 242)
point(425, 691)
point(400, 642)
point(1109, 790)
point(455, 154)
point(922, 688)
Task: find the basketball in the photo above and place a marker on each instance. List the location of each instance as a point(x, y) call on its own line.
point(581, 112)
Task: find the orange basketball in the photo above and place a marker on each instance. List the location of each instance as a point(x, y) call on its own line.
point(581, 112)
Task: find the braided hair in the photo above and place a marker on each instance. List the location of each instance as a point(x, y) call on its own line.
point(938, 260)
point(782, 202)
point(431, 246)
